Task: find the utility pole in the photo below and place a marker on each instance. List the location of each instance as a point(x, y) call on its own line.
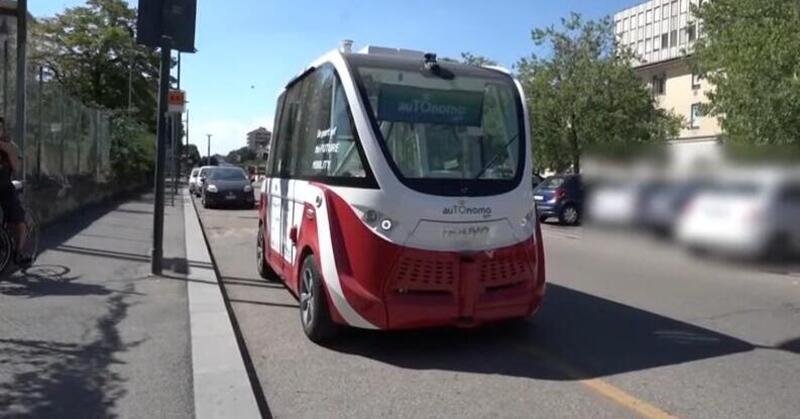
point(208, 155)
point(161, 151)
point(22, 64)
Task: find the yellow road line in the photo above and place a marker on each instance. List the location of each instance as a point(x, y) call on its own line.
point(603, 388)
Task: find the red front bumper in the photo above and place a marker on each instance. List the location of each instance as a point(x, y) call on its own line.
point(396, 287)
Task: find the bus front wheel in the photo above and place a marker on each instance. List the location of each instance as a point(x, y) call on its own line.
point(314, 313)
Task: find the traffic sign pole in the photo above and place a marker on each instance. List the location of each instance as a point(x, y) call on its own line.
point(161, 151)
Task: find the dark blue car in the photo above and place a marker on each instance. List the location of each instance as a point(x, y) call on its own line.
point(561, 197)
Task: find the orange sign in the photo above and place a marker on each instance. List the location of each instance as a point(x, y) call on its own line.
point(176, 100)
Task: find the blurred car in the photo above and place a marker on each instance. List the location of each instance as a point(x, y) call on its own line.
point(560, 196)
point(201, 178)
point(747, 215)
point(227, 186)
point(612, 203)
point(621, 203)
point(662, 209)
point(192, 181)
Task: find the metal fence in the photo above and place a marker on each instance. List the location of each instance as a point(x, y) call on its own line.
point(65, 137)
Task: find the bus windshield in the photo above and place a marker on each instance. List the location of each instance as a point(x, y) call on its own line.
point(465, 128)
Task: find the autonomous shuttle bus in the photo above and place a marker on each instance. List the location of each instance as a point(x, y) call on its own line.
point(397, 195)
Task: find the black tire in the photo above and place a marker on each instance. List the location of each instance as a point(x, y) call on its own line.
point(315, 317)
point(264, 270)
point(6, 251)
point(204, 201)
point(543, 218)
point(569, 215)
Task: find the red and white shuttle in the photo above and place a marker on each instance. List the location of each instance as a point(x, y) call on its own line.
point(398, 194)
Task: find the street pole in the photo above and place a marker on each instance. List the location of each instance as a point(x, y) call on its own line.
point(5, 80)
point(22, 64)
point(41, 125)
point(208, 155)
point(161, 145)
point(176, 146)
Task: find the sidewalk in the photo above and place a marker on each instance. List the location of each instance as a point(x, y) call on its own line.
point(88, 332)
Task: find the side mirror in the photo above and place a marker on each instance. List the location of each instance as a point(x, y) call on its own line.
point(202, 179)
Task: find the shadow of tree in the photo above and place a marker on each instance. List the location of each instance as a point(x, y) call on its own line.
point(57, 379)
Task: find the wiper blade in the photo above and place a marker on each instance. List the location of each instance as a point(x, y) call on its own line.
point(496, 156)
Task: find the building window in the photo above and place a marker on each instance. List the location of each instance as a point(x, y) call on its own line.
point(691, 32)
point(659, 85)
point(673, 38)
point(696, 78)
point(675, 8)
point(664, 41)
point(656, 43)
point(695, 116)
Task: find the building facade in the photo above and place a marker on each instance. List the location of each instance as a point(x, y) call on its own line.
point(259, 141)
point(661, 34)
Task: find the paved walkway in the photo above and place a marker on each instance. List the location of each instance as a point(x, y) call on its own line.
point(88, 332)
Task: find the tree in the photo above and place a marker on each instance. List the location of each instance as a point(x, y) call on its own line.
point(192, 155)
point(132, 150)
point(91, 51)
point(244, 154)
point(749, 53)
point(479, 60)
point(585, 96)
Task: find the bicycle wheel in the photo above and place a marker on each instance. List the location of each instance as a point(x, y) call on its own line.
point(6, 249)
point(32, 235)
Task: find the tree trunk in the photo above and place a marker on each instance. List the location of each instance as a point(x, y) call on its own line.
point(576, 152)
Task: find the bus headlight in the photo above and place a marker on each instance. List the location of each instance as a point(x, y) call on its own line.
point(386, 224)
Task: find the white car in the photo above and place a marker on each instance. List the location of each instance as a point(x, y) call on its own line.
point(193, 179)
point(752, 215)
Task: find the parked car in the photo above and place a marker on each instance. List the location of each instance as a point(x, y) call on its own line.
point(201, 178)
point(227, 186)
point(621, 202)
point(560, 196)
point(192, 181)
point(752, 215)
point(662, 210)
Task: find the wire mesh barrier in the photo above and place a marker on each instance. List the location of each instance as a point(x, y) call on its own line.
point(65, 137)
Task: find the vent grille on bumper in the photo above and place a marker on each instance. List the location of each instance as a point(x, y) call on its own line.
point(502, 272)
point(415, 274)
point(425, 275)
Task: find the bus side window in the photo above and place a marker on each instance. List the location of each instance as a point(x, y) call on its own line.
point(271, 159)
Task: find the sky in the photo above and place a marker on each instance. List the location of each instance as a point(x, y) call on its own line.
point(248, 49)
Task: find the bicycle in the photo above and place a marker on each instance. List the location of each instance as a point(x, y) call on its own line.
point(7, 246)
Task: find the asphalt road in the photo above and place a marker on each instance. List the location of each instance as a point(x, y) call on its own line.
point(630, 327)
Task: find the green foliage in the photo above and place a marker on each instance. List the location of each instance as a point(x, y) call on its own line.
point(243, 154)
point(91, 51)
point(132, 150)
point(479, 60)
point(585, 96)
point(749, 52)
point(191, 155)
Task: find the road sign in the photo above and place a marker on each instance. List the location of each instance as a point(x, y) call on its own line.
point(174, 19)
point(177, 101)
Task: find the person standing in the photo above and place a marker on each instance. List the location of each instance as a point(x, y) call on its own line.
point(13, 211)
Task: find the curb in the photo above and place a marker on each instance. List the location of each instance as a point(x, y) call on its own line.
point(221, 383)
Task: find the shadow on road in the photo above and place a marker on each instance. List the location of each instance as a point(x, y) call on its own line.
point(57, 379)
point(575, 336)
